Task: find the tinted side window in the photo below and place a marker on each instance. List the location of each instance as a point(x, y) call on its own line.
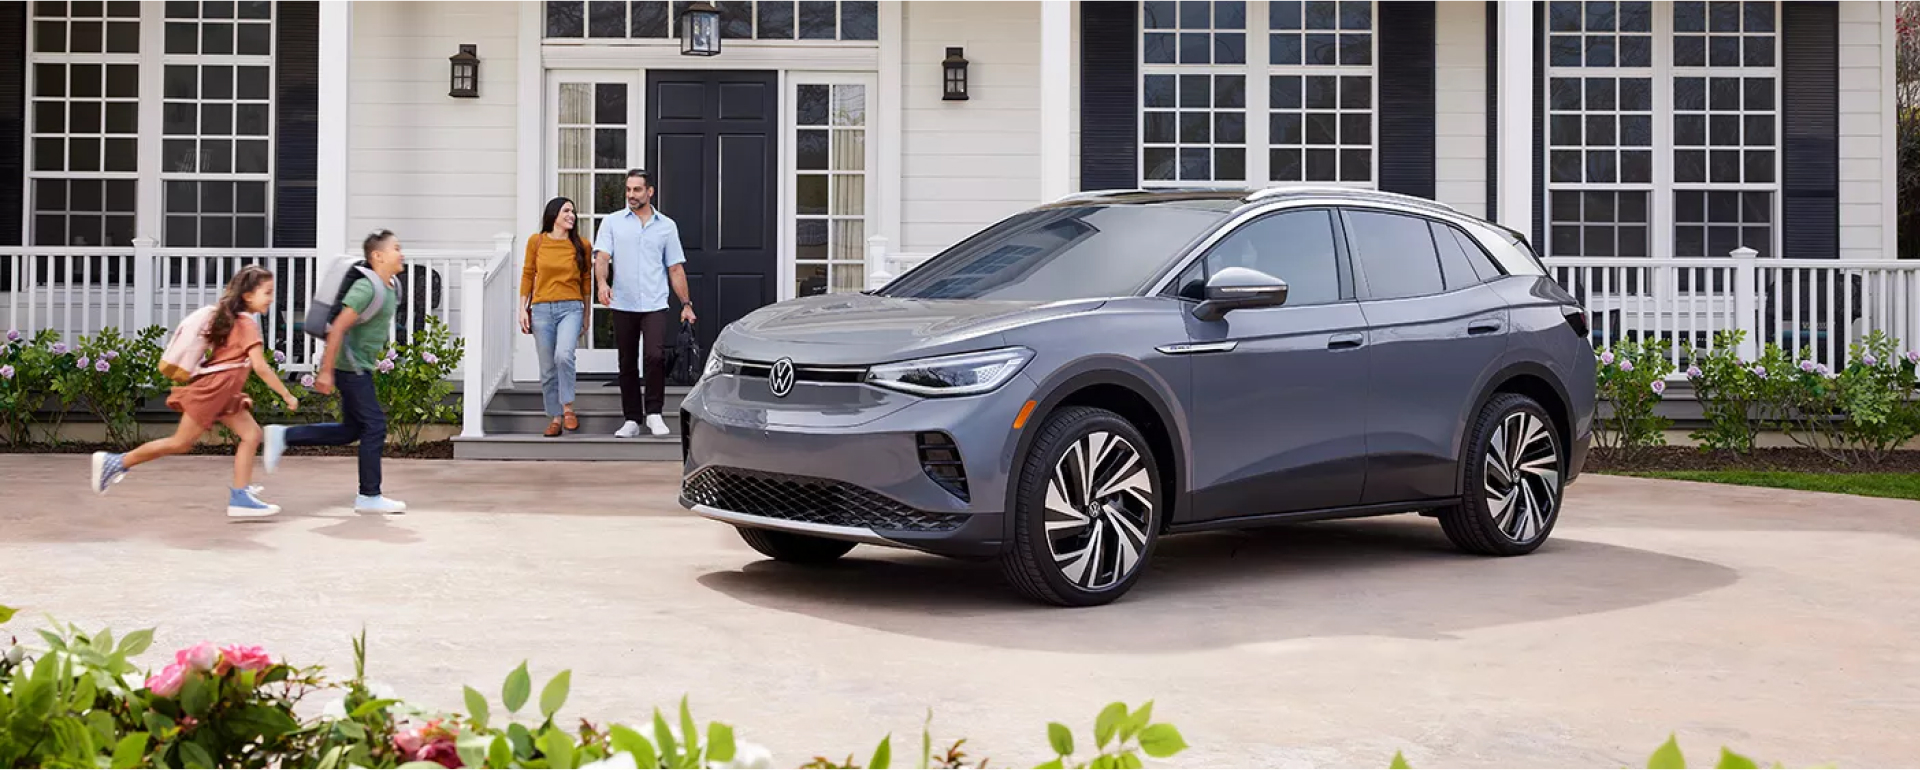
point(1294, 246)
point(1454, 264)
point(1396, 253)
point(1476, 255)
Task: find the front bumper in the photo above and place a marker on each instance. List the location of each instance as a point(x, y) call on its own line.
point(850, 467)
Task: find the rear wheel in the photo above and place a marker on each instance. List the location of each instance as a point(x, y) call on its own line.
point(1087, 512)
point(1514, 476)
point(794, 548)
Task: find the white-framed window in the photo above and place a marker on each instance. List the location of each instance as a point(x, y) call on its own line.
point(83, 157)
point(1662, 128)
point(1239, 93)
point(595, 134)
point(829, 119)
point(763, 20)
point(217, 124)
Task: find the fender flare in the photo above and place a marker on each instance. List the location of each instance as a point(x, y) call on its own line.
point(1502, 375)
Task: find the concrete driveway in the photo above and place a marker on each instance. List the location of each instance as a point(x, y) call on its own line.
point(1780, 623)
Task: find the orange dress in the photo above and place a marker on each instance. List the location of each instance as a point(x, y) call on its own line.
point(212, 396)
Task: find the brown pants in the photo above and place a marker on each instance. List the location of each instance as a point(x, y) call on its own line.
point(631, 331)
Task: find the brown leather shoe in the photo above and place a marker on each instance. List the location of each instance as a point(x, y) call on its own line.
point(573, 420)
point(553, 429)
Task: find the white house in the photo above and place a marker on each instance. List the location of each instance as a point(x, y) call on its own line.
point(146, 145)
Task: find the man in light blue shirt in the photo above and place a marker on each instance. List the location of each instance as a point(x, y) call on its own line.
point(643, 247)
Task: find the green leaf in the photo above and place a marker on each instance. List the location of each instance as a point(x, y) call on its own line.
point(195, 696)
point(522, 740)
point(136, 642)
point(1108, 723)
point(158, 723)
point(477, 707)
point(1162, 741)
point(519, 685)
point(331, 759)
point(6, 613)
point(720, 746)
point(372, 706)
point(500, 754)
point(1051, 764)
point(669, 750)
point(688, 730)
point(623, 738)
point(1060, 738)
point(1668, 756)
point(130, 750)
point(192, 755)
point(1399, 762)
point(883, 753)
point(554, 695)
point(103, 643)
point(1732, 761)
point(1137, 721)
point(1129, 761)
point(558, 748)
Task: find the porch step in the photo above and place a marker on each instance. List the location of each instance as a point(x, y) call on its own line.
point(590, 397)
point(573, 446)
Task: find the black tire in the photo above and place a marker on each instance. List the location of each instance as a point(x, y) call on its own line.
point(793, 548)
point(1476, 524)
point(1029, 563)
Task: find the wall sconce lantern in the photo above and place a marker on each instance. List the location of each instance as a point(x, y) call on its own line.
point(465, 80)
point(700, 29)
point(955, 67)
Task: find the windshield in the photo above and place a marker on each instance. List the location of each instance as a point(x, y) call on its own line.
point(1056, 254)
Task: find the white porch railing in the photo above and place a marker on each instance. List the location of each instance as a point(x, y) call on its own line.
point(82, 290)
point(1819, 305)
point(490, 291)
point(883, 267)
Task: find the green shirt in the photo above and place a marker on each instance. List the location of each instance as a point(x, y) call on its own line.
point(366, 341)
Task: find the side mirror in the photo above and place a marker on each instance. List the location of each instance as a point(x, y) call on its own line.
point(1239, 288)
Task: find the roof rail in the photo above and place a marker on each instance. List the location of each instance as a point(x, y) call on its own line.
point(1293, 190)
point(1089, 194)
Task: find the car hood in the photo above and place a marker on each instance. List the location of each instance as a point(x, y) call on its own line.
point(863, 329)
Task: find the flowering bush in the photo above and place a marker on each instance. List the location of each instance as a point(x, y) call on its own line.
point(112, 376)
point(412, 382)
point(1632, 378)
point(1738, 396)
point(1860, 413)
point(29, 366)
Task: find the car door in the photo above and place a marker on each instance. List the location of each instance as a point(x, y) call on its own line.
point(1278, 420)
point(1437, 332)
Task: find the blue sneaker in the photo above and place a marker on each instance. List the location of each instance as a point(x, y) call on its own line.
point(107, 470)
point(276, 445)
point(242, 504)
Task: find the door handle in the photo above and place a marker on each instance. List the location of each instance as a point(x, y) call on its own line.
point(1346, 341)
point(1485, 327)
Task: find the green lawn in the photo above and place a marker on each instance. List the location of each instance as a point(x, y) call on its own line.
point(1902, 486)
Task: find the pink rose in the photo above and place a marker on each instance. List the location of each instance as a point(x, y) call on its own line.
point(244, 658)
point(431, 742)
point(166, 684)
point(200, 657)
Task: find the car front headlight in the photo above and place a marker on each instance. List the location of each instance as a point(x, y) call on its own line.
point(716, 363)
point(957, 375)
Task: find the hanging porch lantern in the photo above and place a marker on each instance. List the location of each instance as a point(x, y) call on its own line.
point(464, 82)
point(700, 29)
point(955, 68)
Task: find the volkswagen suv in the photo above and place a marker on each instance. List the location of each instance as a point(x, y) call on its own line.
point(1066, 387)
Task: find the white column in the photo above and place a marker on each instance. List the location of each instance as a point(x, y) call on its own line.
point(336, 52)
point(1516, 182)
point(889, 125)
point(532, 119)
point(1056, 88)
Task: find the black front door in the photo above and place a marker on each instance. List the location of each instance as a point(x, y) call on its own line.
point(711, 147)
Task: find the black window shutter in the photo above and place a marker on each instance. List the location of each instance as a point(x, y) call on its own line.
point(1539, 193)
point(1109, 96)
point(296, 101)
point(1810, 123)
point(1493, 110)
point(13, 120)
point(1406, 45)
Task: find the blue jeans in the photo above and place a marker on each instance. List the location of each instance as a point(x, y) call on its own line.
point(361, 420)
point(556, 330)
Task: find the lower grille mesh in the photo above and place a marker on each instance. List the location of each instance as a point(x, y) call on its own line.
point(809, 500)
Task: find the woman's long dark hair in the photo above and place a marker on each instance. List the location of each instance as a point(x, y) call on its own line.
point(573, 233)
point(233, 302)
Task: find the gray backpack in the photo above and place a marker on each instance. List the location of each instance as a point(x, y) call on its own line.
point(332, 290)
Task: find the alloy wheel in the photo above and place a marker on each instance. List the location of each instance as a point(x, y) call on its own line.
point(1099, 509)
point(1523, 476)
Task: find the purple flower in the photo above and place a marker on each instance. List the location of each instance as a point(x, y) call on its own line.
point(102, 366)
point(391, 354)
point(1760, 371)
point(430, 358)
point(1870, 360)
point(1659, 387)
point(13, 335)
point(1626, 364)
point(279, 357)
point(6, 372)
point(1808, 366)
point(306, 380)
point(385, 365)
point(1693, 372)
point(1913, 356)
point(1607, 358)
point(1823, 371)
point(113, 355)
point(59, 348)
point(82, 363)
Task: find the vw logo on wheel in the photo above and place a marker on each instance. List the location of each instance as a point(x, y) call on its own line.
point(780, 380)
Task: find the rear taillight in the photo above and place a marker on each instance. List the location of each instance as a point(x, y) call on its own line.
point(1577, 319)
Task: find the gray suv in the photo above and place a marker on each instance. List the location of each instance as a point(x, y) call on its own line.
point(1064, 388)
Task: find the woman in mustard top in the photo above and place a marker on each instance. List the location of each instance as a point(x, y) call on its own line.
point(553, 305)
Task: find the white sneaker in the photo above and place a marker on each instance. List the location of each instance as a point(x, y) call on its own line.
point(380, 504)
point(276, 445)
point(657, 425)
point(628, 430)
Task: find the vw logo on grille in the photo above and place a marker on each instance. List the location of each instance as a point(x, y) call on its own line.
point(780, 380)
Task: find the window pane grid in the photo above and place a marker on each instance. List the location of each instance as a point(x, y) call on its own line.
point(1602, 65)
point(830, 223)
point(1321, 128)
point(85, 28)
point(761, 20)
point(594, 135)
point(217, 113)
point(1726, 128)
point(83, 124)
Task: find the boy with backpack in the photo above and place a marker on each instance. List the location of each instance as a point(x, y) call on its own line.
point(356, 332)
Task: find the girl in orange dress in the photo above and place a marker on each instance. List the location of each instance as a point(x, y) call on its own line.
point(233, 337)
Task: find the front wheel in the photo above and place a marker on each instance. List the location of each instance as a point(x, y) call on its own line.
point(1087, 511)
point(1514, 476)
point(797, 549)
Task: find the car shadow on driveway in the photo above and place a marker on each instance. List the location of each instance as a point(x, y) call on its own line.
point(1394, 577)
